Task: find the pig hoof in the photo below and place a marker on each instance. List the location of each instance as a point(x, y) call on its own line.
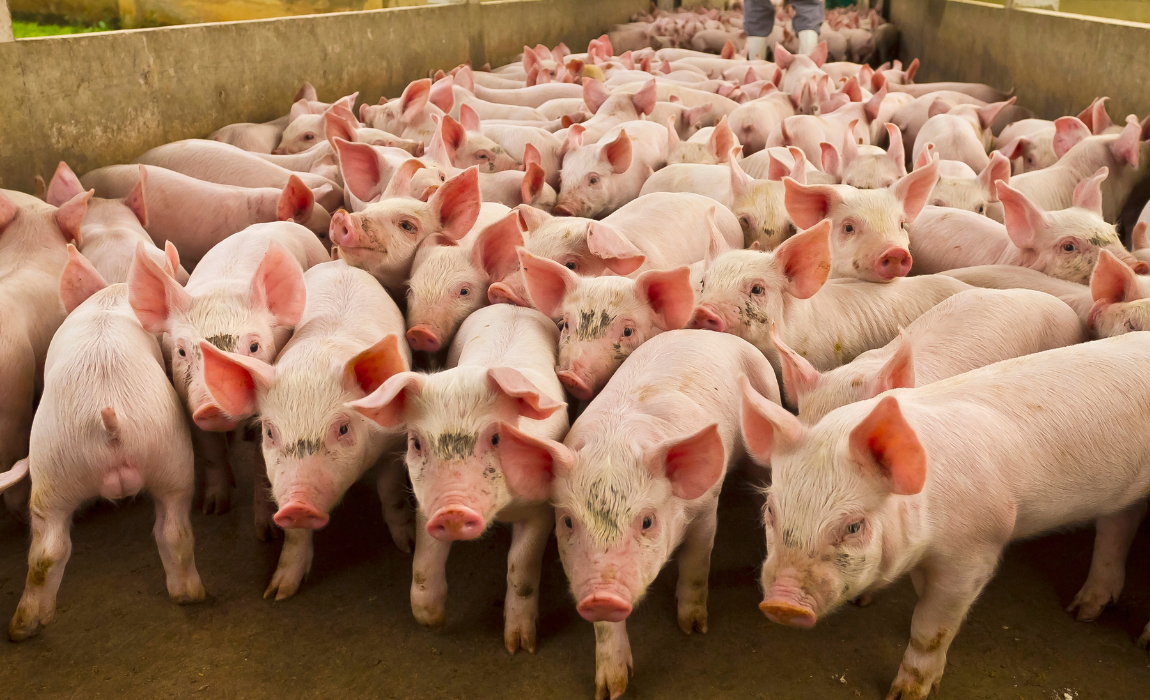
point(519, 635)
point(282, 587)
point(1090, 602)
point(912, 684)
point(693, 619)
point(217, 501)
point(24, 625)
point(611, 682)
point(266, 530)
point(404, 537)
point(194, 594)
point(429, 616)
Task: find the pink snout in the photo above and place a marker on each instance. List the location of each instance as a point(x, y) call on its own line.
point(423, 339)
point(895, 262)
point(343, 229)
point(561, 210)
point(604, 606)
point(455, 523)
point(577, 385)
point(787, 604)
point(300, 516)
point(707, 320)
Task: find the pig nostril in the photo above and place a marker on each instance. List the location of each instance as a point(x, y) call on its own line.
point(455, 523)
point(423, 339)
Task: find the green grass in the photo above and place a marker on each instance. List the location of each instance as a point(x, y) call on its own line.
point(24, 30)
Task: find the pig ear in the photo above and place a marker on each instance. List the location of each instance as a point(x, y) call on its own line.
point(1024, 221)
point(799, 376)
point(64, 185)
point(1088, 192)
point(373, 366)
point(414, 99)
point(777, 169)
point(1139, 240)
point(695, 115)
point(669, 294)
point(530, 218)
point(987, 113)
point(830, 160)
point(400, 182)
point(530, 401)
point(299, 108)
point(805, 259)
point(884, 445)
point(469, 118)
point(914, 189)
point(136, 198)
point(278, 286)
point(783, 58)
point(1112, 283)
point(997, 169)
point(385, 405)
point(465, 79)
point(617, 153)
point(692, 464)
point(644, 100)
point(335, 127)
point(532, 185)
point(1015, 148)
point(153, 295)
point(296, 202)
point(897, 153)
point(722, 141)
point(808, 204)
point(233, 382)
point(673, 139)
point(819, 55)
point(494, 248)
point(530, 464)
point(939, 106)
point(173, 257)
point(866, 73)
point(1125, 147)
point(874, 104)
point(79, 280)
point(594, 95)
point(306, 93)
point(617, 252)
point(1099, 118)
point(898, 372)
point(911, 70)
point(456, 203)
point(850, 146)
point(442, 95)
point(454, 135)
point(925, 157)
point(360, 167)
point(547, 282)
point(574, 139)
point(530, 60)
point(71, 214)
point(531, 155)
point(766, 424)
point(741, 182)
point(1068, 131)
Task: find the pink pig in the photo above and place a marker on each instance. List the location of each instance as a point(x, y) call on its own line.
point(596, 180)
point(409, 116)
point(374, 173)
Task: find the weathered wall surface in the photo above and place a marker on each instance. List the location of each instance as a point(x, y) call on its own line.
point(98, 99)
point(1057, 63)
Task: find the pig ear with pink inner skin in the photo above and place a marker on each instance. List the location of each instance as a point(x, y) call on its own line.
point(618, 253)
point(1112, 282)
point(278, 286)
point(173, 258)
point(766, 424)
point(530, 402)
point(799, 376)
point(547, 282)
point(533, 181)
point(617, 153)
point(442, 94)
point(79, 280)
point(914, 189)
point(897, 153)
point(153, 295)
point(469, 118)
point(494, 249)
point(233, 382)
point(1068, 131)
point(136, 200)
point(373, 366)
point(997, 169)
point(925, 157)
point(71, 214)
point(414, 99)
point(386, 404)
point(805, 259)
point(64, 185)
point(361, 167)
point(1126, 146)
point(644, 100)
point(1015, 148)
point(530, 464)
point(987, 113)
point(692, 464)
point(722, 141)
point(1139, 239)
point(799, 170)
point(456, 204)
point(830, 160)
point(898, 372)
point(1088, 192)
point(885, 447)
point(296, 202)
point(594, 94)
point(809, 204)
point(1023, 220)
point(669, 294)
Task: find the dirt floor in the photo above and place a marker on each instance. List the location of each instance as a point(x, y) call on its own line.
point(349, 631)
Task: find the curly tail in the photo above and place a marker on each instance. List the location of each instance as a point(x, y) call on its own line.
point(18, 471)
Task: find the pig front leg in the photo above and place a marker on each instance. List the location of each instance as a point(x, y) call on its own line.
point(613, 663)
point(391, 485)
point(173, 532)
point(49, 553)
point(1113, 535)
point(213, 448)
point(524, 563)
point(294, 564)
point(429, 577)
point(263, 506)
point(694, 569)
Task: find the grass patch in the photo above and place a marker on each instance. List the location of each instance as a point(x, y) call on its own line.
point(25, 30)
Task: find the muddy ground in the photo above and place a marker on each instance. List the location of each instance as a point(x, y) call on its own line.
point(349, 632)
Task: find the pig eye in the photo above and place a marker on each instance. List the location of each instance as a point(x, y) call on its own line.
point(567, 522)
point(757, 289)
point(407, 226)
point(495, 440)
point(182, 353)
point(442, 178)
point(1069, 248)
point(594, 180)
point(254, 347)
point(628, 332)
point(648, 521)
point(343, 429)
point(849, 229)
point(570, 266)
point(853, 528)
point(981, 208)
point(483, 156)
point(308, 137)
point(1129, 326)
point(415, 444)
point(464, 292)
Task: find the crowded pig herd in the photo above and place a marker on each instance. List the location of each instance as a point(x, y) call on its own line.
point(907, 304)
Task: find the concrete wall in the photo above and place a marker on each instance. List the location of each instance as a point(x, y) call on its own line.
point(99, 99)
point(1056, 62)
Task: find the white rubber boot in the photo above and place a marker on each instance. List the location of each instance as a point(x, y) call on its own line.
point(756, 48)
point(808, 40)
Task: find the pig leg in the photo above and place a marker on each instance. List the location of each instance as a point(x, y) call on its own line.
point(613, 663)
point(49, 553)
point(294, 564)
point(429, 577)
point(213, 448)
point(694, 568)
point(173, 532)
point(524, 563)
point(1112, 539)
point(17, 386)
point(263, 506)
point(391, 485)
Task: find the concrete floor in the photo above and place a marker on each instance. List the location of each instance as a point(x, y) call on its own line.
point(349, 631)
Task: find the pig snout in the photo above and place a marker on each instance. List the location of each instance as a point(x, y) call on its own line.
point(422, 338)
point(562, 210)
point(345, 230)
point(604, 605)
point(300, 515)
point(895, 262)
point(579, 387)
point(455, 522)
point(786, 603)
point(707, 320)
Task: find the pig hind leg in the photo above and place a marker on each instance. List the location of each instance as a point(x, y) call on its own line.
point(694, 569)
point(294, 564)
point(391, 485)
point(173, 533)
point(429, 577)
point(1112, 539)
point(524, 563)
point(613, 663)
point(47, 557)
point(218, 480)
point(263, 507)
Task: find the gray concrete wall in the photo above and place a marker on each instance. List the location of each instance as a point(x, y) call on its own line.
point(98, 99)
point(1057, 63)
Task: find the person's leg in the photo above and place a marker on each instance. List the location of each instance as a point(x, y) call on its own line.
point(809, 17)
point(758, 22)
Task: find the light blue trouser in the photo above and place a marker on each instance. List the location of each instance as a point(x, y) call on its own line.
point(759, 16)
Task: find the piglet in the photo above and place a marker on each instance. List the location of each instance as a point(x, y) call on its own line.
point(597, 179)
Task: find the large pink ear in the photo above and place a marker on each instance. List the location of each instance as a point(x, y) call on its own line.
point(136, 200)
point(547, 282)
point(533, 181)
point(530, 218)
point(299, 108)
point(494, 248)
point(644, 100)
point(153, 295)
point(1024, 221)
point(361, 167)
point(469, 118)
point(79, 280)
point(1088, 192)
point(1113, 282)
point(914, 189)
point(465, 79)
point(306, 92)
point(278, 286)
point(373, 366)
point(618, 253)
point(799, 376)
point(233, 382)
point(850, 147)
point(805, 259)
point(819, 55)
point(530, 401)
point(1125, 147)
point(617, 153)
point(874, 104)
point(64, 185)
point(669, 294)
point(897, 153)
point(692, 464)
point(454, 135)
point(594, 94)
point(335, 127)
point(385, 405)
point(442, 93)
point(530, 60)
point(783, 58)
point(722, 141)
point(1015, 148)
point(71, 214)
point(456, 203)
point(830, 160)
point(898, 372)
point(884, 446)
point(530, 464)
point(766, 424)
point(925, 156)
point(986, 114)
point(414, 99)
point(1068, 131)
point(399, 185)
point(531, 155)
point(997, 169)
point(296, 202)
point(741, 182)
point(808, 204)
point(1095, 116)
point(574, 139)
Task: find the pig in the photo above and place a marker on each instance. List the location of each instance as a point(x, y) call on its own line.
point(409, 116)
point(621, 105)
point(713, 148)
point(112, 227)
point(514, 187)
point(978, 193)
point(108, 425)
point(256, 138)
point(383, 238)
point(515, 139)
point(1139, 240)
point(912, 115)
point(469, 147)
point(936, 481)
point(977, 91)
point(341, 123)
point(319, 159)
point(867, 167)
point(451, 98)
point(969, 330)
point(597, 179)
point(799, 68)
point(196, 215)
point(828, 322)
point(602, 320)
point(501, 373)
point(346, 345)
point(961, 133)
point(869, 239)
point(1074, 295)
point(368, 173)
point(529, 96)
point(1029, 145)
point(639, 473)
point(1120, 298)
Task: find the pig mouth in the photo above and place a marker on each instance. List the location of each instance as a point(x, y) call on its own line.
point(788, 604)
point(605, 604)
point(456, 522)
